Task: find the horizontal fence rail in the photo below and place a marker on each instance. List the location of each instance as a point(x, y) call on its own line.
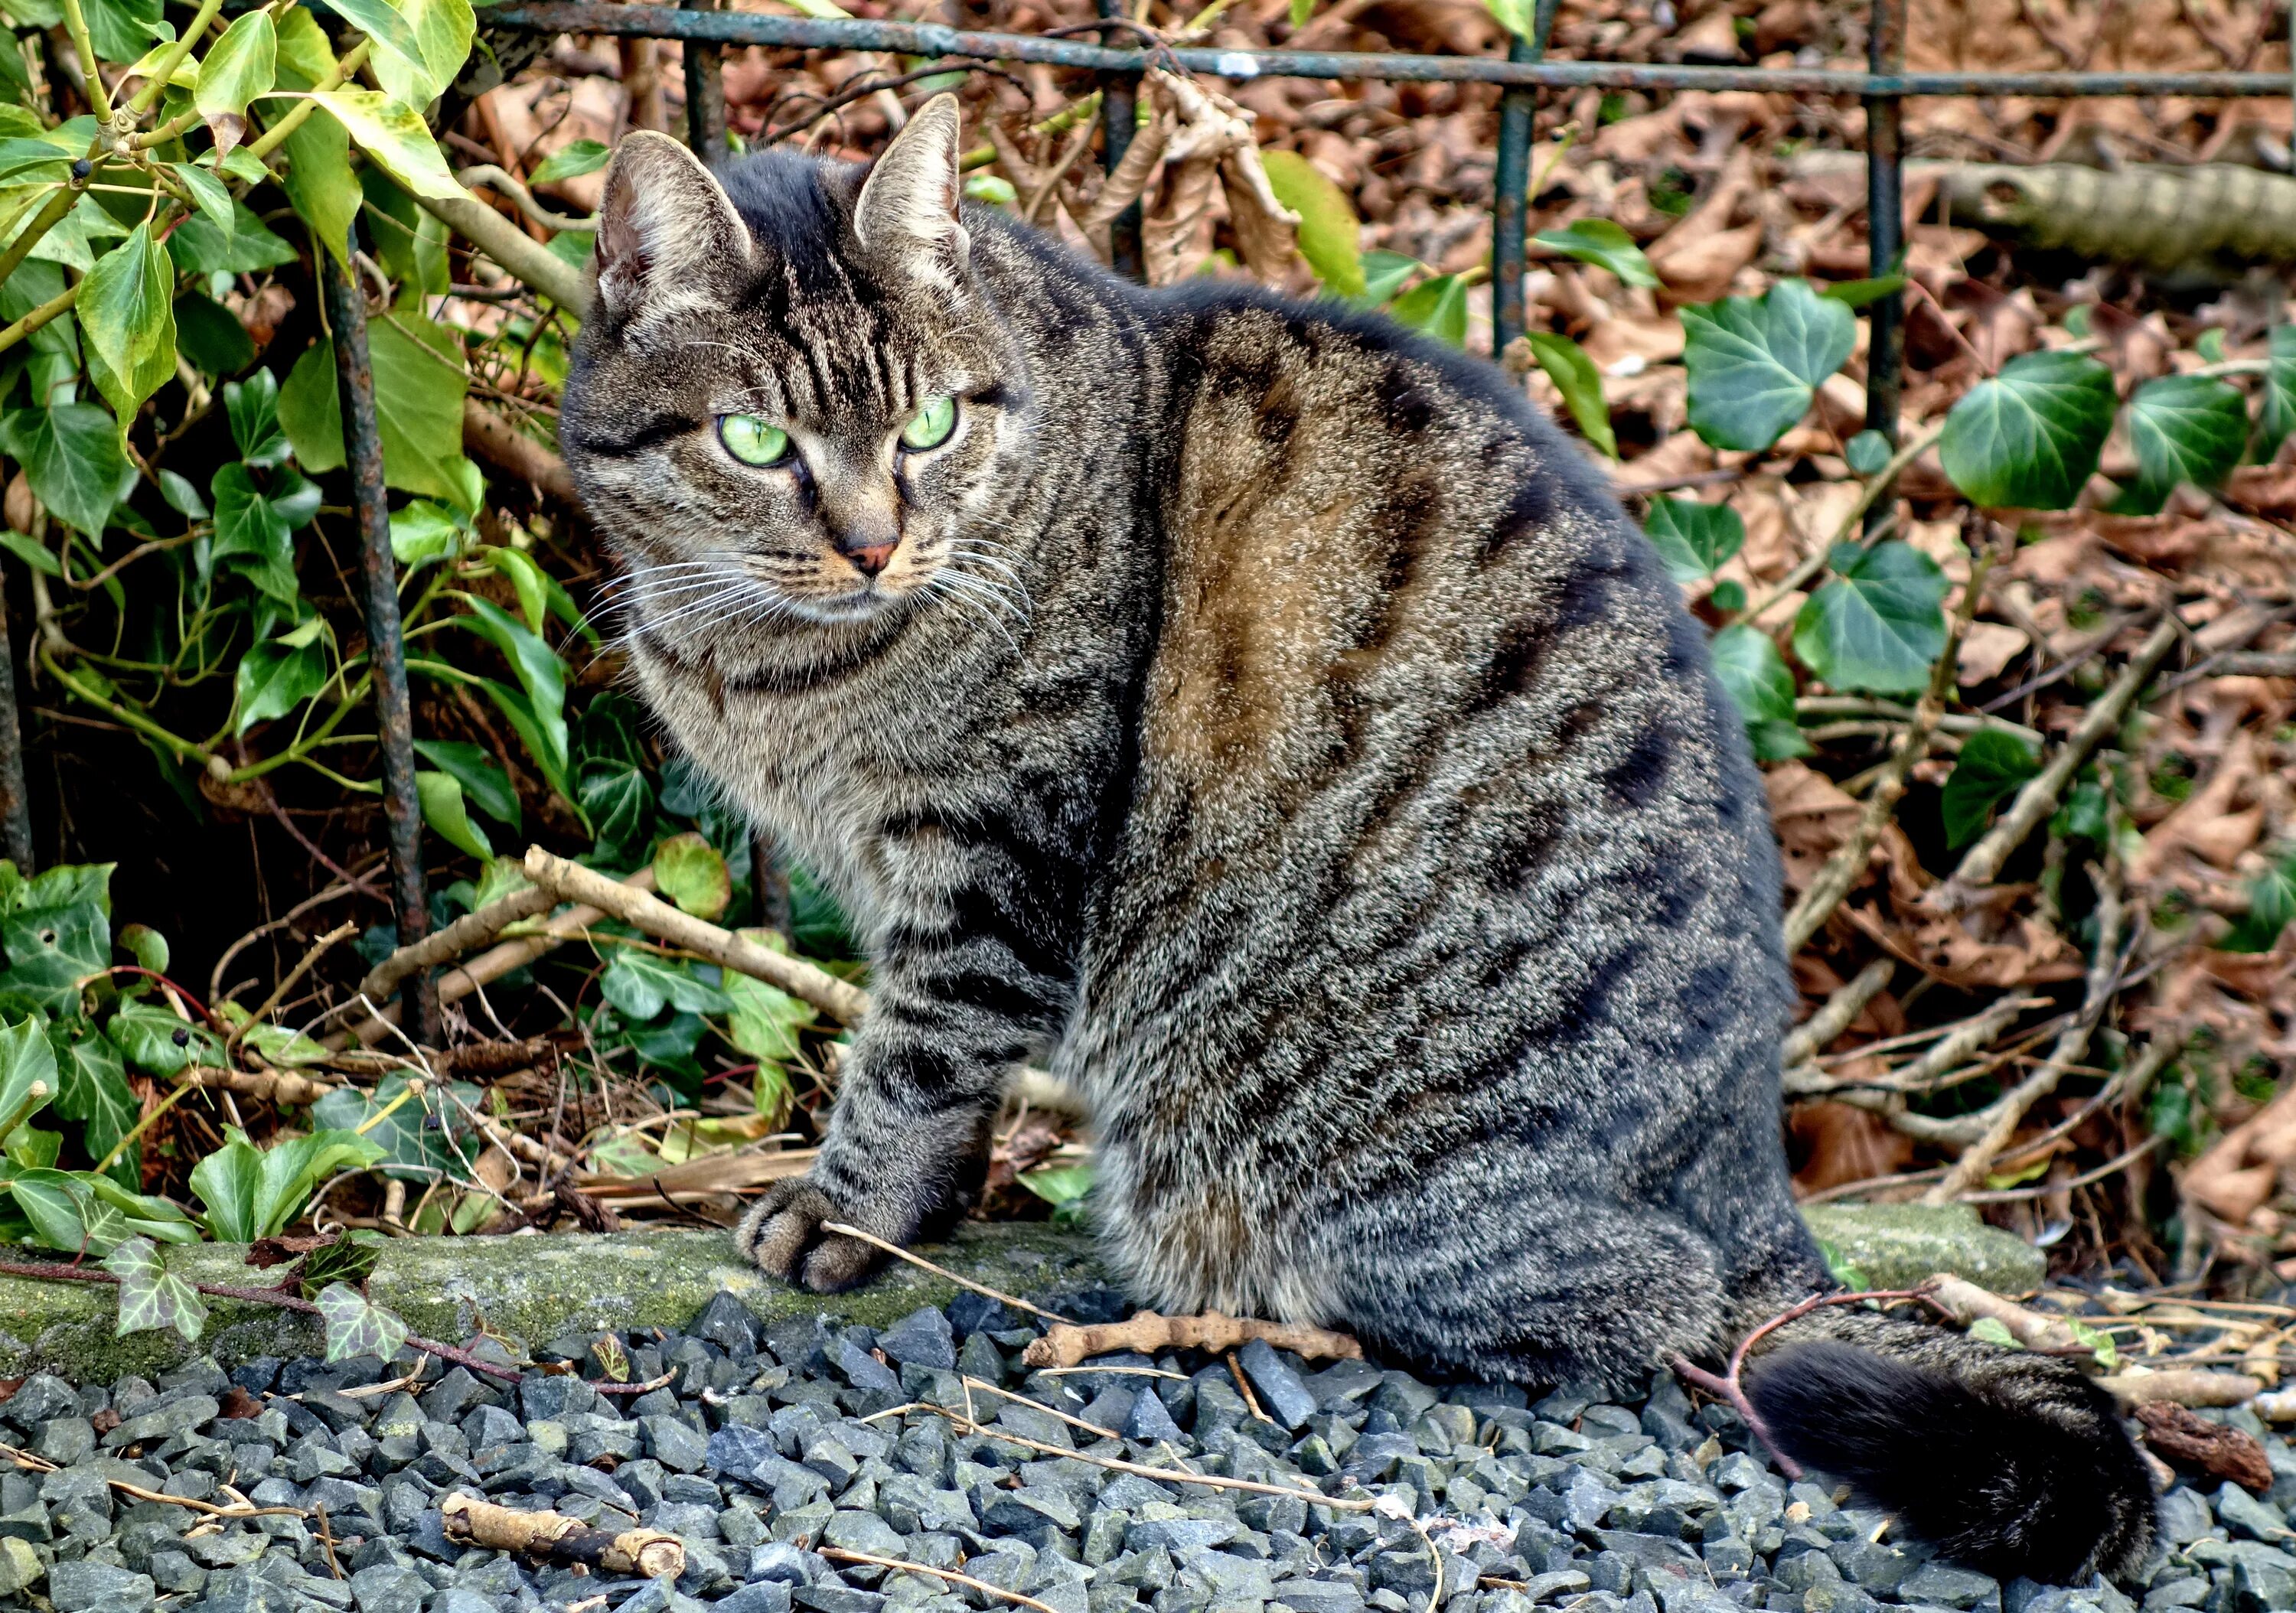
point(932, 39)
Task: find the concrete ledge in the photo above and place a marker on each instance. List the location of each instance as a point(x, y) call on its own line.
point(532, 1290)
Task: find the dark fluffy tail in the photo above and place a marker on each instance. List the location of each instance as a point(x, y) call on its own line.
point(2013, 1463)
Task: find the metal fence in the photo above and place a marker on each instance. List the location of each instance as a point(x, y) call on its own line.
point(1523, 71)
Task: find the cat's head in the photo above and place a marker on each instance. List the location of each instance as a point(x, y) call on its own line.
point(794, 414)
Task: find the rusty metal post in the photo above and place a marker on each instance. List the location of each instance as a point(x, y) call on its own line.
point(1511, 186)
point(705, 95)
point(15, 807)
point(1885, 223)
point(1120, 99)
point(386, 649)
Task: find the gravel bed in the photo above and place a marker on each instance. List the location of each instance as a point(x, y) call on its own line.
point(761, 1454)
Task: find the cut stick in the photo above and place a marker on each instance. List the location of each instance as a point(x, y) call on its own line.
point(649, 1553)
point(2182, 1386)
point(1067, 1344)
point(1965, 1303)
point(445, 945)
point(2192, 1441)
point(825, 991)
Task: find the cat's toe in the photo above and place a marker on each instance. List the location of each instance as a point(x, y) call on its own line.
point(784, 1235)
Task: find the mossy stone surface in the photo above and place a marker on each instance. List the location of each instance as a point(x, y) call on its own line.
point(1896, 1245)
point(530, 1289)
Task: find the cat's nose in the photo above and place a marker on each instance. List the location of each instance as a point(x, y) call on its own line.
point(869, 558)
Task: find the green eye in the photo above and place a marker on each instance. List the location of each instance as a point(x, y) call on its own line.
point(753, 440)
point(930, 425)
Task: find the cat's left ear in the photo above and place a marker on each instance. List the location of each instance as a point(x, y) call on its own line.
point(906, 215)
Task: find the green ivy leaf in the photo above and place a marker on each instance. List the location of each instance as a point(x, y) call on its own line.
point(127, 312)
point(274, 679)
point(251, 1193)
point(441, 796)
point(122, 30)
point(51, 950)
point(357, 1326)
point(1575, 376)
point(2030, 438)
point(2184, 429)
point(2277, 418)
point(1604, 244)
point(215, 342)
point(419, 385)
point(641, 984)
point(252, 535)
point(209, 194)
point(540, 673)
point(394, 134)
point(2271, 909)
point(2100, 1345)
point(1879, 624)
point(1994, 765)
point(72, 455)
point(428, 1133)
point(350, 1259)
point(95, 1091)
point(570, 161)
point(1330, 235)
point(1993, 1330)
point(690, 872)
point(484, 785)
point(543, 738)
point(154, 1040)
point(311, 413)
point(1438, 307)
point(1693, 538)
point(766, 1024)
point(202, 246)
point(423, 532)
point(1515, 16)
point(618, 803)
point(26, 1061)
point(146, 945)
point(240, 65)
point(318, 180)
point(1384, 274)
point(1755, 363)
point(1061, 1186)
point(1760, 684)
point(150, 1300)
point(252, 408)
point(1868, 452)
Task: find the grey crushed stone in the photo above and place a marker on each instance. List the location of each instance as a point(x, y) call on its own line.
point(770, 1447)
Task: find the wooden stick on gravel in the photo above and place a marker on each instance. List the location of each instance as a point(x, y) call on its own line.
point(835, 997)
point(649, 1552)
point(1211, 1333)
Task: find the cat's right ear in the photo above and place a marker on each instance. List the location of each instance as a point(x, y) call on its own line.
point(666, 233)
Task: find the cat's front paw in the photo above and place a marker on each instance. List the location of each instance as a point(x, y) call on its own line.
point(785, 1234)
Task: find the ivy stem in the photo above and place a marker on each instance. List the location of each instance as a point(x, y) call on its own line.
point(163, 69)
point(134, 719)
point(166, 132)
point(142, 1125)
point(269, 140)
point(66, 198)
point(99, 99)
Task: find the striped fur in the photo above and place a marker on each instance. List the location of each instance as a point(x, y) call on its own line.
point(1268, 717)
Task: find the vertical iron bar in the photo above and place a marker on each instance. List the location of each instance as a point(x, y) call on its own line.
point(1511, 186)
point(1119, 95)
point(386, 649)
point(705, 96)
point(1885, 222)
point(15, 808)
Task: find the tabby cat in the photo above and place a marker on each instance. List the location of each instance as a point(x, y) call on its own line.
point(1270, 719)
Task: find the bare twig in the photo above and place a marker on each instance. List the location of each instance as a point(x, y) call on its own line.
point(950, 1576)
point(444, 945)
point(658, 918)
point(843, 1230)
point(651, 1553)
point(1836, 1013)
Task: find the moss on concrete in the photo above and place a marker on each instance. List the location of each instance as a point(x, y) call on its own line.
point(530, 1289)
point(1896, 1245)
